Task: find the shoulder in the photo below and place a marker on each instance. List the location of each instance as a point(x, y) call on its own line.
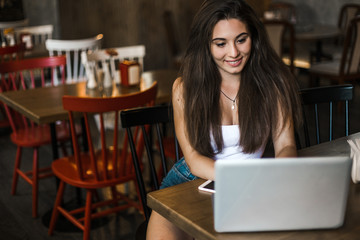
point(177, 90)
point(177, 94)
point(177, 85)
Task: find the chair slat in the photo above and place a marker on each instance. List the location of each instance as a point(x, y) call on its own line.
point(326, 95)
point(102, 166)
point(73, 50)
point(18, 76)
point(143, 117)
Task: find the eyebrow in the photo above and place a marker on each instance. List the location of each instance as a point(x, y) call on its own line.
point(222, 39)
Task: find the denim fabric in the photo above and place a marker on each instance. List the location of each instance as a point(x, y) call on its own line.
point(179, 173)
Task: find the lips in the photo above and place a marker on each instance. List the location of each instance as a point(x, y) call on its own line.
point(234, 63)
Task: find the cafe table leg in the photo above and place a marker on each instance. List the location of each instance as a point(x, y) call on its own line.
point(319, 55)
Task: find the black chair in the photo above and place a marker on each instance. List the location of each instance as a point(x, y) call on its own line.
point(155, 116)
point(314, 101)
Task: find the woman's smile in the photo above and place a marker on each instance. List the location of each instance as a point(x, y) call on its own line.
point(234, 63)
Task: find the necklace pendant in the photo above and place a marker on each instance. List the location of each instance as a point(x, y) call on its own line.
point(233, 106)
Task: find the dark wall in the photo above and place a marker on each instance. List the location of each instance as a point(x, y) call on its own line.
point(123, 22)
point(128, 22)
point(42, 12)
point(11, 10)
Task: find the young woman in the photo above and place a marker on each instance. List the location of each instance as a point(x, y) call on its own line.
point(234, 95)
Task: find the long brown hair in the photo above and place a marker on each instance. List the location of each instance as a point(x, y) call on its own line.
point(265, 82)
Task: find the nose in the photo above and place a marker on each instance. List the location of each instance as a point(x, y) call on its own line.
point(234, 51)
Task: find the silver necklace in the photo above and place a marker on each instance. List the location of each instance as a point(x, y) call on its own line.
point(233, 100)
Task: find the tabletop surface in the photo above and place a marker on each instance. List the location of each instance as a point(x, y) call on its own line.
point(44, 105)
point(318, 32)
point(192, 210)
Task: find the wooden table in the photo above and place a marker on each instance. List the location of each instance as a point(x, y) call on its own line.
point(44, 105)
point(192, 211)
point(318, 33)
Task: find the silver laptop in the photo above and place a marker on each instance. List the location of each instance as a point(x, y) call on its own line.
point(271, 194)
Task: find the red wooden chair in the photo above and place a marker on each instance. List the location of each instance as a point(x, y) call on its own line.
point(21, 75)
point(9, 53)
point(107, 165)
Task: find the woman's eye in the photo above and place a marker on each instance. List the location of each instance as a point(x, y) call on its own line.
point(220, 44)
point(241, 40)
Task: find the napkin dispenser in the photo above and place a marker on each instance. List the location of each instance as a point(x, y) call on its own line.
point(130, 73)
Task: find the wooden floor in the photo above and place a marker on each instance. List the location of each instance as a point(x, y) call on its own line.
point(15, 211)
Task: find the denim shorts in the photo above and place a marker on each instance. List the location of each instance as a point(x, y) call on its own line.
point(179, 173)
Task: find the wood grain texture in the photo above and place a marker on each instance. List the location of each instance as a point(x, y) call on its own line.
point(44, 105)
point(128, 22)
point(192, 210)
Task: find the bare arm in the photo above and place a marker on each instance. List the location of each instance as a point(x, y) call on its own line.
point(284, 139)
point(199, 165)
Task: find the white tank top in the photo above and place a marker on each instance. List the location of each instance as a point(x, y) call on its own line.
point(232, 150)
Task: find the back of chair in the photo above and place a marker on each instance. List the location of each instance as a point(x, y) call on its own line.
point(30, 69)
point(314, 97)
point(10, 53)
point(73, 49)
point(38, 34)
point(283, 11)
point(281, 35)
point(347, 13)
point(114, 164)
point(29, 73)
point(350, 59)
point(113, 56)
point(143, 117)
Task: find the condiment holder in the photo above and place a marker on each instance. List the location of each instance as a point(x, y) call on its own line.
point(130, 73)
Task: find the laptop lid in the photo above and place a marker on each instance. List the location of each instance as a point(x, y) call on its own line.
point(272, 194)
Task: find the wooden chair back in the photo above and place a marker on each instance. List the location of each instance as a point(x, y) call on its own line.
point(315, 101)
point(7, 54)
point(347, 13)
point(283, 11)
point(38, 34)
point(113, 56)
point(29, 73)
point(118, 163)
point(75, 71)
point(104, 165)
point(142, 117)
point(282, 35)
point(18, 76)
point(350, 59)
point(11, 53)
